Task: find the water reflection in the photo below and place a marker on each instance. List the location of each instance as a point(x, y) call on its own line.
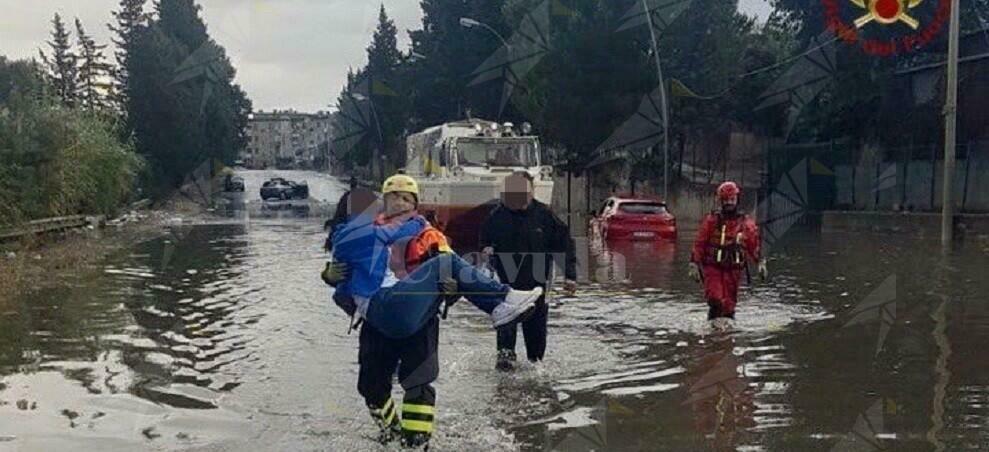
point(214, 332)
point(158, 326)
point(637, 264)
point(720, 395)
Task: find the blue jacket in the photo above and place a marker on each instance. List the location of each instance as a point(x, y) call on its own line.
point(364, 247)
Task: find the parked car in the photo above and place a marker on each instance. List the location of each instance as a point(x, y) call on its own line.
point(635, 218)
point(278, 188)
point(233, 183)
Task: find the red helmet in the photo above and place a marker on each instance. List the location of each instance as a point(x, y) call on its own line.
point(728, 190)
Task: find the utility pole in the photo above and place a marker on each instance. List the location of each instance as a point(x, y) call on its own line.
point(950, 122)
point(662, 100)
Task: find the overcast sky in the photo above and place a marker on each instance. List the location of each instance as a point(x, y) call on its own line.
point(288, 53)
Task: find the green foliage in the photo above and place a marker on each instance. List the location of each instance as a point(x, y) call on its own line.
point(128, 20)
point(588, 80)
point(56, 160)
point(93, 72)
point(388, 89)
point(62, 65)
point(183, 104)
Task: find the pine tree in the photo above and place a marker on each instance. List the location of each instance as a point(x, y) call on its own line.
point(442, 76)
point(383, 55)
point(61, 66)
point(129, 20)
point(181, 19)
point(387, 90)
point(184, 105)
point(93, 72)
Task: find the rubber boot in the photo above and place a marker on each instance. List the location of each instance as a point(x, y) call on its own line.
point(506, 360)
point(416, 440)
point(387, 421)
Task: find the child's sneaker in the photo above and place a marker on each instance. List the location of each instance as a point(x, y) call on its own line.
point(517, 302)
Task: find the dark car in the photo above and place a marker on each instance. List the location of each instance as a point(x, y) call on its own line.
point(233, 183)
point(635, 218)
point(278, 188)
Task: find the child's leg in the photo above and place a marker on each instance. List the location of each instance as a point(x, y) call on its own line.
point(403, 309)
point(478, 288)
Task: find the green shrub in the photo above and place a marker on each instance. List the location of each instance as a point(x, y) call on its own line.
point(55, 160)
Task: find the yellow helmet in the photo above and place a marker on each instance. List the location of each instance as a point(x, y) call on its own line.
point(401, 182)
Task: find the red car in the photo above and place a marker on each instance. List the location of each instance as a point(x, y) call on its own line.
point(635, 218)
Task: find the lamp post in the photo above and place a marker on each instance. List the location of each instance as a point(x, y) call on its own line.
point(665, 106)
point(467, 22)
point(950, 125)
point(381, 141)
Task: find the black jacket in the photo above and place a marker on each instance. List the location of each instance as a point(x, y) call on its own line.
point(340, 216)
point(523, 239)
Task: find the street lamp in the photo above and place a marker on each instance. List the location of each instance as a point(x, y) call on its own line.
point(663, 101)
point(467, 22)
point(381, 141)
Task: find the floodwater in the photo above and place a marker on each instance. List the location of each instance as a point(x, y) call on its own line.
point(221, 337)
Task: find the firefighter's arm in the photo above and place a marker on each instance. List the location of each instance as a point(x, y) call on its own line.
point(753, 240)
point(753, 246)
point(703, 237)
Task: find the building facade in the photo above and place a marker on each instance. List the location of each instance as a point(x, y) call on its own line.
point(288, 139)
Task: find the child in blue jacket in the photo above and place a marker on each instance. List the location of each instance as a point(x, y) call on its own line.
point(399, 308)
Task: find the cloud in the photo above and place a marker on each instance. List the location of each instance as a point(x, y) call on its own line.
point(288, 53)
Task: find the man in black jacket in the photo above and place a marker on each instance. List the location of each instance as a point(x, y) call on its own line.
point(521, 238)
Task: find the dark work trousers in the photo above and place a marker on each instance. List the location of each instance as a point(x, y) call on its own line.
point(533, 331)
point(418, 366)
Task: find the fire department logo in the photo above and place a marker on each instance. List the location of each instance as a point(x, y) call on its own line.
point(887, 27)
point(887, 12)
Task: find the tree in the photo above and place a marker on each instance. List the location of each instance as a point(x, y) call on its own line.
point(353, 124)
point(93, 72)
point(129, 20)
point(55, 160)
point(388, 91)
point(61, 66)
point(441, 75)
point(183, 104)
point(181, 19)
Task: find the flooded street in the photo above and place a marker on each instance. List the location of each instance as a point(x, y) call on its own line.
point(221, 336)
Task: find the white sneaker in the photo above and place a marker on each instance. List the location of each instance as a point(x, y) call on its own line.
point(516, 303)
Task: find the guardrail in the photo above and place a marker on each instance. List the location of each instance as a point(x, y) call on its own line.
point(48, 225)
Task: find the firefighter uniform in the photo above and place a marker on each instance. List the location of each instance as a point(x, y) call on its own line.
point(725, 243)
point(415, 357)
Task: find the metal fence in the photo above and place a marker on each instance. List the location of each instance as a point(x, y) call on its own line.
point(909, 178)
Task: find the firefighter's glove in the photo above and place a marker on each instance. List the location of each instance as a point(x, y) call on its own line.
point(763, 270)
point(448, 287)
point(694, 271)
point(334, 273)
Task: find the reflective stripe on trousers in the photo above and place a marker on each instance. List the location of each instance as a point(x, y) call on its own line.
point(418, 418)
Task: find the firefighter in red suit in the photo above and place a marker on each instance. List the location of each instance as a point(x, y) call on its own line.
point(726, 241)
